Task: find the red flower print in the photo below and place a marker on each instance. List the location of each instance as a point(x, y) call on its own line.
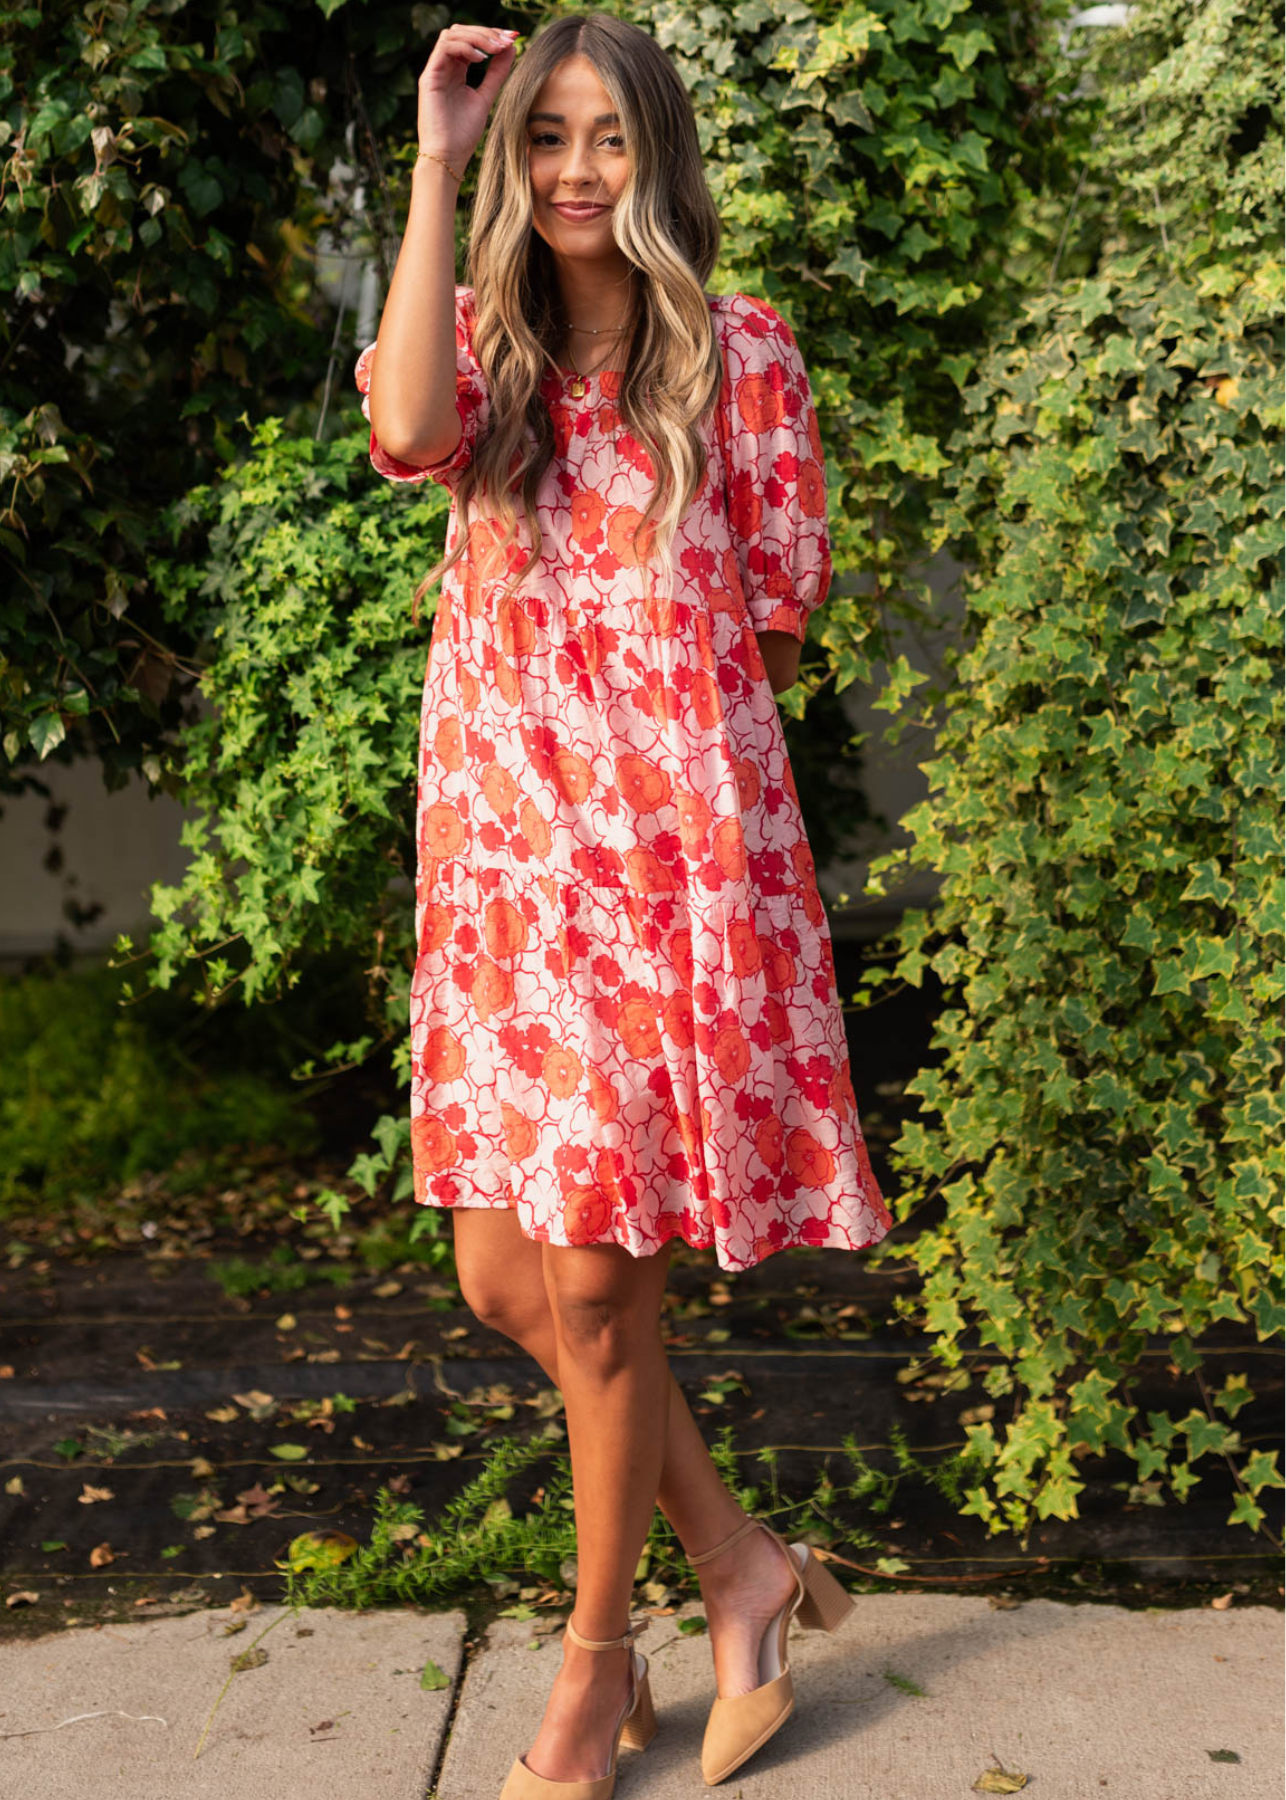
point(623, 1017)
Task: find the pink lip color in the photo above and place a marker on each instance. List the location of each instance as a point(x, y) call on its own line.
point(577, 212)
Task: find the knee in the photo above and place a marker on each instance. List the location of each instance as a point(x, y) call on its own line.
point(599, 1329)
point(494, 1305)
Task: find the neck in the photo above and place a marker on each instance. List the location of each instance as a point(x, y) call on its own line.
point(597, 294)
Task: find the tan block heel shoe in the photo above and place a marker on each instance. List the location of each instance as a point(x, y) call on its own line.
point(740, 1723)
point(635, 1730)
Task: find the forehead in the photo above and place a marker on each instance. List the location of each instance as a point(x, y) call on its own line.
point(572, 94)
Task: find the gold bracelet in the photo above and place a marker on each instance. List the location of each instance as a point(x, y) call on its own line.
point(446, 165)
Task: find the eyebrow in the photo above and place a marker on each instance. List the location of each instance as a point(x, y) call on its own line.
point(560, 119)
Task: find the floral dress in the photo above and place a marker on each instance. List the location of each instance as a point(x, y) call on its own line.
point(624, 1019)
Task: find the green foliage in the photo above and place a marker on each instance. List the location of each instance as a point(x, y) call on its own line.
point(154, 273)
point(296, 573)
point(280, 1272)
point(868, 162)
point(1103, 1124)
point(91, 1096)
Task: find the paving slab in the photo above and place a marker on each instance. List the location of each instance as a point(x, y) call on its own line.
point(336, 1711)
point(1087, 1701)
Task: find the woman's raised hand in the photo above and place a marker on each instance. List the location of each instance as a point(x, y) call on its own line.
point(453, 115)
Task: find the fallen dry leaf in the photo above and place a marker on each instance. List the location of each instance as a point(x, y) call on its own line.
point(223, 1415)
point(203, 1531)
point(257, 1500)
point(25, 1598)
point(1221, 1602)
point(1000, 1781)
point(287, 1322)
point(202, 1467)
point(257, 1403)
point(100, 1554)
point(14, 1485)
point(90, 1495)
point(6, 1371)
point(244, 1602)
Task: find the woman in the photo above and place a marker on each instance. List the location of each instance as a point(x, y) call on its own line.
point(624, 1022)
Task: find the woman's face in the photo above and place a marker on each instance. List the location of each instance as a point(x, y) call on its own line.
point(576, 153)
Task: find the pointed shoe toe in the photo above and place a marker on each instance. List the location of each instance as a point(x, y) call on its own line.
point(739, 1724)
point(524, 1784)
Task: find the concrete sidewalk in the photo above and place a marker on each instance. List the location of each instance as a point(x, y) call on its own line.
point(914, 1699)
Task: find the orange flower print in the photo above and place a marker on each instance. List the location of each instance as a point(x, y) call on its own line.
point(623, 1012)
point(810, 1162)
point(648, 873)
point(492, 990)
point(515, 633)
point(730, 1054)
point(759, 401)
point(587, 1213)
point(435, 927)
point(442, 833)
point(572, 776)
point(432, 1145)
point(602, 1097)
point(779, 965)
point(644, 785)
point(743, 946)
point(681, 959)
point(521, 1136)
point(768, 1141)
point(749, 783)
point(448, 744)
point(695, 818)
point(561, 1071)
point(535, 829)
point(637, 1025)
point(499, 789)
point(703, 702)
point(812, 490)
point(729, 848)
point(677, 1020)
point(587, 509)
point(505, 928)
point(629, 536)
point(442, 1057)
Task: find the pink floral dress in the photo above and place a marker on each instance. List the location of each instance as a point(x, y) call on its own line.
point(624, 1018)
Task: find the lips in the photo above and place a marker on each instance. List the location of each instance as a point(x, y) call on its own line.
point(578, 212)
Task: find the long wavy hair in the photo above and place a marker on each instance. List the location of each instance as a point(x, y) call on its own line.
point(666, 224)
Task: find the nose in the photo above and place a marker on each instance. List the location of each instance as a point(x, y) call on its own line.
point(578, 173)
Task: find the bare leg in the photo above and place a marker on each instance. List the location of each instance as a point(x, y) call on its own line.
point(502, 1272)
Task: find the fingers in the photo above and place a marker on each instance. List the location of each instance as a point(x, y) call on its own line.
point(476, 43)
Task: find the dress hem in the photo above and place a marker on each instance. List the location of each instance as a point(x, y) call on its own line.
point(709, 1243)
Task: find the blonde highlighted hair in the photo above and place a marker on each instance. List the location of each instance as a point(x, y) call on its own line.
point(665, 223)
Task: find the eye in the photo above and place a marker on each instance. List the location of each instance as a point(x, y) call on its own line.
point(539, 138)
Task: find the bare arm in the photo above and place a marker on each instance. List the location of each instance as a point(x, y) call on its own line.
point(412, 394)
point(780, 652)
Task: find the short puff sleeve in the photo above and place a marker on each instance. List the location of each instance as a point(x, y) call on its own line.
point(776, 470)
point(470, 404)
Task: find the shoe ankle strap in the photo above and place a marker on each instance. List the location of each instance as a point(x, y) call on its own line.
point(607, 1643)
point(748, 1525)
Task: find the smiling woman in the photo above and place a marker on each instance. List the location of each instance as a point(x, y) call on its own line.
point(624, 1022)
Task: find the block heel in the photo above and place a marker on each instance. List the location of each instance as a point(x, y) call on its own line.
point(640, 1725)
point(825, 1604)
